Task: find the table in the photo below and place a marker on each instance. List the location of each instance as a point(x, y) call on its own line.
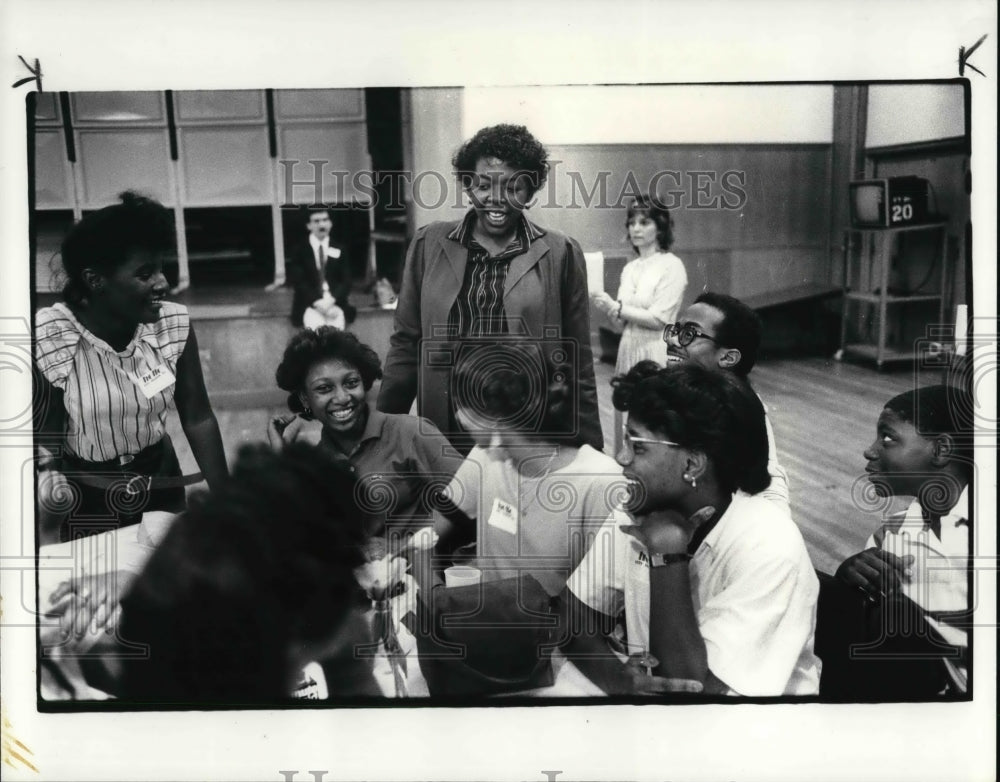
point(127, 549)
point(123, 549)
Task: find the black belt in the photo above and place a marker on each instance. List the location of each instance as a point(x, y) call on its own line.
point(115, 472)
point(136, 483)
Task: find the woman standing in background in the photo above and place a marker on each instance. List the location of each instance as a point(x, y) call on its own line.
point(652, 288)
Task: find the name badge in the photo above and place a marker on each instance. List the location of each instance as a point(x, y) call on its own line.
point(154, 380)
point(503, 516)
point(312, 684)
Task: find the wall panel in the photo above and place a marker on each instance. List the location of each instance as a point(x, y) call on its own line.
point(786, 187)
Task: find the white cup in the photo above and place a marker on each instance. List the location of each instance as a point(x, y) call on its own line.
point(461, 575)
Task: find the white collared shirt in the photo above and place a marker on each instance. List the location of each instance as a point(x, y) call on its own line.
point(939, 580)
point(753, 588)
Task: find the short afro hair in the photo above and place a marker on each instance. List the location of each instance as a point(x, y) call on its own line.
point(513, 144)
point(325, 343)
point(741, 328)
point(714, 412)
point(495, 381)
point(936, 410)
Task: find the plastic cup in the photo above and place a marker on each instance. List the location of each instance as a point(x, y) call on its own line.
point(461, 575)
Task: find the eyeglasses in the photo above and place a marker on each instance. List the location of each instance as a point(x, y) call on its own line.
point(685, 334)
point(629, 439)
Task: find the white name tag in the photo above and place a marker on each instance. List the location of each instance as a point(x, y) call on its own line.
point(312, 684)
point(503, 516)
point(154, 380)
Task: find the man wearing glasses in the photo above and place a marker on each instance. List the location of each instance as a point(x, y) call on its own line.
point(721, 332)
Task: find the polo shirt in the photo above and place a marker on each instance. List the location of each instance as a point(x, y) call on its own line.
point(753, 588)
point(399, 461)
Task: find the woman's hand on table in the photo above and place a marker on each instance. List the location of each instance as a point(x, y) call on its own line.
point(87, 607)
point(641, 682)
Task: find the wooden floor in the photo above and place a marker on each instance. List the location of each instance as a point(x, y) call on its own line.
point(823, 413)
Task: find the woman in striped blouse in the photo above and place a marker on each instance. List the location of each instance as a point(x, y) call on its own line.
point(110, 359)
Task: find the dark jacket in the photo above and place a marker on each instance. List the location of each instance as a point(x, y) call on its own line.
point(545, 298)
point(302, 274)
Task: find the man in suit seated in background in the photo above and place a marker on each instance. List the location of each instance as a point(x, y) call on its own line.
point(315, 268)
point(721, 332)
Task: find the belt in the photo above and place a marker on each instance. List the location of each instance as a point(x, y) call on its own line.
point(137, 483)
point(104, 475)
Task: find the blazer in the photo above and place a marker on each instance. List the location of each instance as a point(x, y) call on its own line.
point(301, 272)
point(545, 297)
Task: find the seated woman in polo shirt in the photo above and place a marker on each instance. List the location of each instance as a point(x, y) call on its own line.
point(398, 459)
point(716, 586)
point(529, 494)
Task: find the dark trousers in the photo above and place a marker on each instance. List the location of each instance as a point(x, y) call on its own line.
point(877, 651)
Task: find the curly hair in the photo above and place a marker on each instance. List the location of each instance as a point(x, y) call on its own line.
point(714, 412)
point(310, 346)
point(513, 144)
point(104, 240)
point(500, 382)
point(659, 214)
point(261, 564)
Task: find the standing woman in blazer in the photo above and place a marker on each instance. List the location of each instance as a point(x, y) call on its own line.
point(492, 274)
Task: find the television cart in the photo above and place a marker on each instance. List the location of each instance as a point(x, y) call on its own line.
point(875, 248)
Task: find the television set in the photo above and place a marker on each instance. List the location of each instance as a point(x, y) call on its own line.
point(889, 203)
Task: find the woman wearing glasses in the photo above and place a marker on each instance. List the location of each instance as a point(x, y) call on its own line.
point(715, 581)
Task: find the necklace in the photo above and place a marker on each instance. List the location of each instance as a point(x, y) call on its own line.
point(529, 485)
point(545, 467)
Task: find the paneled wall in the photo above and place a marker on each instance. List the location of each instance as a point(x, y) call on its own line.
point(748, 170)
point(220, 149)
point(750, 219)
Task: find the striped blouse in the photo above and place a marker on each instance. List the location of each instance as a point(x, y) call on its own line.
point(107, 414)
point(478, 310)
